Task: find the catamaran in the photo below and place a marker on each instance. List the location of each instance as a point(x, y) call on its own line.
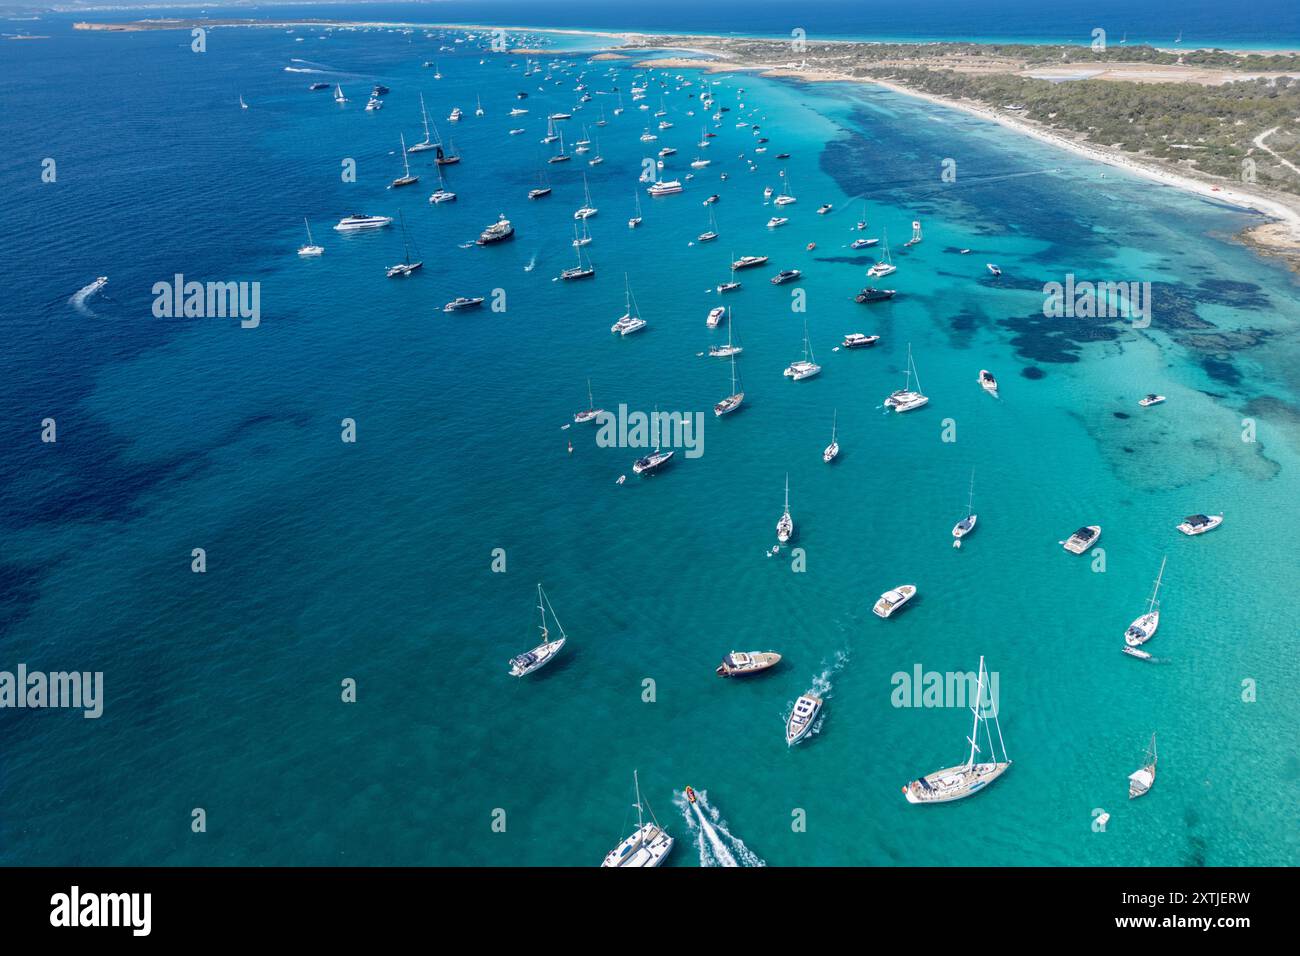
point(406, 179)
point(733, 400)
point(954, 783)
point(442, 193)
point(427, 143)
point(1141, 781)
point(785, 197)
point(785, 526)
point(631, 320)
point(730, 349)
point(967, 524)
point(806, 367)
point(833, 449)
point(649, 844)
point(886, 265)
point(905, 399)
point(311, 249)
point(544, 652)
point(1144, 628)
point(916, 234)
point(802, 718)
point(587, 210)
point(590, 413)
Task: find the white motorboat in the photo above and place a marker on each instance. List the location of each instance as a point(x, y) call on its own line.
point(893, 599)
point(802, 718)
point(745, 663)
point(990, 266)
point(544, 652)
point(716, 315)
point(988, 382)
point(356, 223)
point(463, 302)
point(776, 222)
point(665, 187)
point(856, 340)
point(1152, 399)
point(1083, 539)
point(955, 783)
point(1199, 524)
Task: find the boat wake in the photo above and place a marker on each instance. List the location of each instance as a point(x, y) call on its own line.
point(821, 687)
point(717, 845)
point(78, 299)
point(532, 263)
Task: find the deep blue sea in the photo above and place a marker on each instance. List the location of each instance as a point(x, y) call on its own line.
point(373, 560)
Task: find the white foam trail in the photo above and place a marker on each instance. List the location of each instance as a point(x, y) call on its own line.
point(531, 263)
point(78, 299)
point(717, 845)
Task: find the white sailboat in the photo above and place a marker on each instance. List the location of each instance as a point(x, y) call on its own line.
point(631, 320)
point(1141, 781)
point(478, 107)
point(731, 348)
point(591, 412)
point(833, 449)
point(649, 844)
point(1144, 628)
point(886, 265)
point(806, 367)
point(338, 94)
point(406, 179)
point(786, 196)
point(916, 233)
point(311, 249)
point(587, 210)
point(442, 193)
point(785, 526)
point(905, 399)
point(967, 524)
point(409, 263)
point(733, 400)
point(635, 220)
point(427, 143)
point(544, 652)
point(955, 783)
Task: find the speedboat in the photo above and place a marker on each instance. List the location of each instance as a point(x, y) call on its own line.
point(690, 794)
point(731, 286)
point(715, 317)
point(745, 663)
point(358, 222)
point(652, 462)
point(805, 712)
point(863, 243)
point(711, 200)
point(786, 275)
point(463, 302)
point(776, 221)
point(1083, 539)
point(893, 599)
point(539, 192)
point(823, 209)
point(499, 231)
point(1152, 399)
point(988, 382)
point(767, 193)
point(872, 294)
point(856, 340)
point(993, 269)
point(1199, 524)
point(748, 262)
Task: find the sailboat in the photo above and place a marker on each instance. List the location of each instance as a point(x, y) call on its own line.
point(587, 210)
point(590, 413)
point(1144, 628)
point(406, 179)
point(408, 264)
point(967, 524)
point(649, 844)
point(442, 193)
point(916, 234)
point(784, 198)
point(561, 156)
point(543, 186)
point(652, 462)
point(886, 265)
point(730, 349)
point(712, 232)
point(955, 783)
point(806, 367)
point(732, 401)
point(447, 157)
point(585, 238)
point(733, 283)
point(545, 652)
point(785, 526)
point(833, 449)
point(904, 400)
point(597, 159)
point(635, 220)
point(311, 249)
point(1141, 781)
point(631, 320)
point(338, 94)
point(427, 143)
point(478, 107)
point(242, 104)
point(551, 135)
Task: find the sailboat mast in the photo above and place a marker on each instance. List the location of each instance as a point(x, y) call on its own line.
point(787, 491)
point(640, 821)
point(424, 113)
point(970, 499)
point(975, 709)
point(1151, 605)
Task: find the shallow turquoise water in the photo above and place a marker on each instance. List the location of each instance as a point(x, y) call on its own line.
point(372, 561)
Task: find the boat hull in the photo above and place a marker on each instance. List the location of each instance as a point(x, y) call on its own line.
point(954, 783)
